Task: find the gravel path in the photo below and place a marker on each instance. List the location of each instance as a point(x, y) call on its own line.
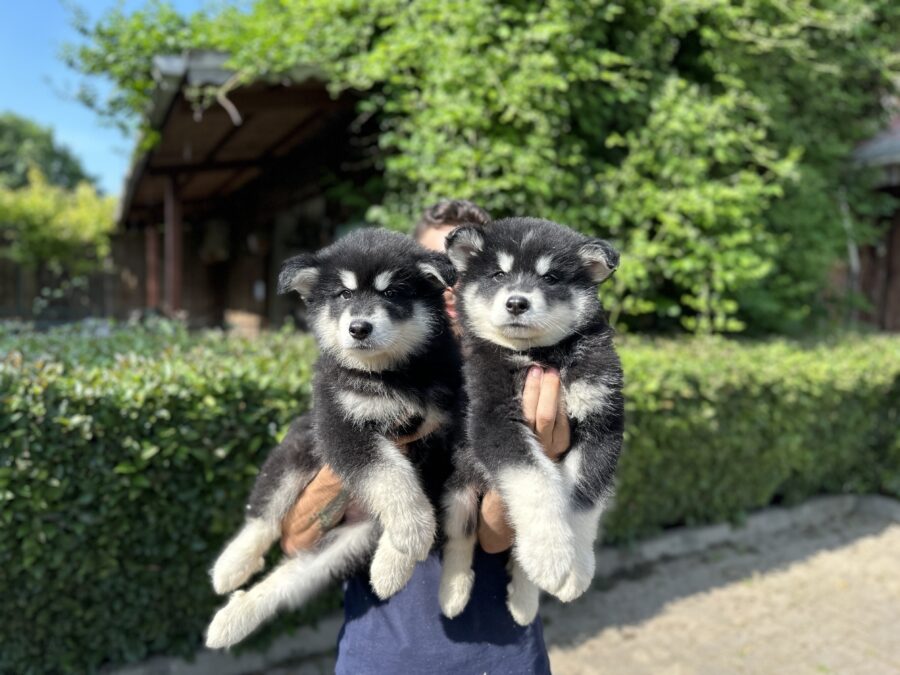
point(813, 600)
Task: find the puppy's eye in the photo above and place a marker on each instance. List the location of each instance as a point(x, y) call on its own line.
point(551, 278)
point(389, 293)
point(346, 295)
point(497, 276)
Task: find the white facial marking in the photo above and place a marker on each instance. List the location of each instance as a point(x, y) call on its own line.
point(383, 280)
point(542, 325)
point(390, 343)
point(542, 266)
point(505, 260)
point(348, 278)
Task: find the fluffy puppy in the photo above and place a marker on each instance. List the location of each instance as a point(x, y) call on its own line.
point(389, 367)
point(528, 295)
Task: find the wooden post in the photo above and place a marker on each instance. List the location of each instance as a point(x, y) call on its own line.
point(151, 253)
point(173, 246)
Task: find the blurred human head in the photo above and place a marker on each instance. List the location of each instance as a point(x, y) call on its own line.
point(441, 219)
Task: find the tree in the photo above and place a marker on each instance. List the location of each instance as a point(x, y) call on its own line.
point(64, 230)
point(708, 138)
point(25, 145)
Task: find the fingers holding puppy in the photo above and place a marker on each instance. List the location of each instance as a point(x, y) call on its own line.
point(544, 410)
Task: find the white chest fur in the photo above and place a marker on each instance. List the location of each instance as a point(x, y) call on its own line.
point(390, 409)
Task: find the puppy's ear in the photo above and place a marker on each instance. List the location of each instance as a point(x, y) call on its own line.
point(299, 273)
point(600, 259)
point(438, 269)
point(464, 243)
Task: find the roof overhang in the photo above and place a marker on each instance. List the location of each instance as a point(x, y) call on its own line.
point(210, 151)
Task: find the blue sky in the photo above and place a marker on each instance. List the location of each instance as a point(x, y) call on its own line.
point(33, 80)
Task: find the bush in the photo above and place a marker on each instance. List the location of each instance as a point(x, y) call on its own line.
point(715, 427)
point(125, 457)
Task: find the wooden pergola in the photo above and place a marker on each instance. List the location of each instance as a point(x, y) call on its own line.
point(206, 153)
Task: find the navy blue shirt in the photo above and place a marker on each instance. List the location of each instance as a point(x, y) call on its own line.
point(408, 634)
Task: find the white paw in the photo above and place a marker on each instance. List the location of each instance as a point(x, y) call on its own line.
point(455, 591)
point(547, 564)
point(390, 570)
point(523, 601)
point(232, 623)
point(578, 581)
point(231, 571)
point(413, 536)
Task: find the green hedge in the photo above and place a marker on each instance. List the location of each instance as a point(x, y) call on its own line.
point(125, 459)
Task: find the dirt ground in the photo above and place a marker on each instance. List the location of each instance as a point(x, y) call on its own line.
point(822, 599)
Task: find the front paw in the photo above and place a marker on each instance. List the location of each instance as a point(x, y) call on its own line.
point(233, 571)
point(523, 602)
point(232, 623)
point(579, 579)
point(413, 536)
point(390, 570)
point(547, 560)
point(456, 587)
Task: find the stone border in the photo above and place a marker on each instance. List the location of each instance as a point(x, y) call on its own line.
point(318, 640)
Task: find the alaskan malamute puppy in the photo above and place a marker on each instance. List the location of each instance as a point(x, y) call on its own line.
point(528, 295)
point(389, 367)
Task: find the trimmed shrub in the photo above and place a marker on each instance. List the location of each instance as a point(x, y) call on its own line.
point(125, 457)
point(715, 427)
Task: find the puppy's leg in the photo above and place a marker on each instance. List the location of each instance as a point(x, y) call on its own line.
point(585, 525)
point(457, 576)
point(522, 596)
point(243, 556)
point(391, 490)
point(290, 584)
point(536, 502)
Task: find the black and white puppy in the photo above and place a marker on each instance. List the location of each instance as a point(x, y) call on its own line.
point(528, 295)
point(389, 366)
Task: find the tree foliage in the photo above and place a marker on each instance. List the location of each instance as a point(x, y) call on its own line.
point(25, 144)
point(708, 138)
point(42, 223)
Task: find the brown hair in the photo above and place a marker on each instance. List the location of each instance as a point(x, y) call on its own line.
point(450, 212)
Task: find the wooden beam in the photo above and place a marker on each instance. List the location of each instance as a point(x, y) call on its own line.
point(200, 167)
point(173, 246)
point(151, 253)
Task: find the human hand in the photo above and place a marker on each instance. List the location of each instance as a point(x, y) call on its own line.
point(545, 411)
point(323, 504)
point(319, 507)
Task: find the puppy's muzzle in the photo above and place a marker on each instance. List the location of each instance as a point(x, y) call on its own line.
point(517, 304)
point(360, 329)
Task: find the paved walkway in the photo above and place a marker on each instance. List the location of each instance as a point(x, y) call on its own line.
point(817, 600)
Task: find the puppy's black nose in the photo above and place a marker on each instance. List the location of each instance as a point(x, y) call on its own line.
point(360, 329)
point(516, 304)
